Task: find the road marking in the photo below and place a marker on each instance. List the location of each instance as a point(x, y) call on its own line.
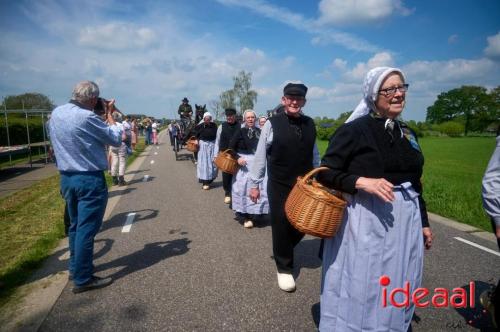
point(157, 148)
point(478, 246)
point(156, 153)
point(152, 162)
point(128, 223)
point(145, 178)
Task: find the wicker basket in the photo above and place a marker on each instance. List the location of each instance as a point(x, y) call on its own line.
point(192, 145)
point(226, 163)
point(313, 209)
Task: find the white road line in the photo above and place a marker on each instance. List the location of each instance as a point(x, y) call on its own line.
point(478, 246)
point(128, 223)
point(156, 153)
point(152, 162)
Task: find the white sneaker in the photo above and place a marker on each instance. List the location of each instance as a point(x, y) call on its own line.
point(227, 199)
point(286, 282)
point(248, 224)
point(205, 187)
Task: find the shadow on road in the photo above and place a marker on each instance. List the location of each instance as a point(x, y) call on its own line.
point(151, 254)
point(477, 317)
point(315, 313)
point(259, 221)
point(118, 219)
point(58, 261)
point(306, 254)
point(137, 171)
point(184, 156)
point(134, 181)
point(120, 192)
point(216, 184)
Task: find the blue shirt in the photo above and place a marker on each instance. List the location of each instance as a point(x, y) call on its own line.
point(491, 186)
point(79, 138)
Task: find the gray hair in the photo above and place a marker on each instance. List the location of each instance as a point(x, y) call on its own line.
point(117, 116)
point(84, 91)
point(249, 111)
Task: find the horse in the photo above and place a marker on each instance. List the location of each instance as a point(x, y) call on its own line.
point(199, 111)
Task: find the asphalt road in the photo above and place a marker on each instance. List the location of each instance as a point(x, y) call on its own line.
point(187, 265)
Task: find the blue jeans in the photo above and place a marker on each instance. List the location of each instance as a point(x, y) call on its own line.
point(86, 196)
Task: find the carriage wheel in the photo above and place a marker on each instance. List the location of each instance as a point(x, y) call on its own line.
point(176, 147)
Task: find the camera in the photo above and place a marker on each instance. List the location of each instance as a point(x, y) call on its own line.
point(100, 107)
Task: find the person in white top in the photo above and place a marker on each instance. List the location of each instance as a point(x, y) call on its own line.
point(154, 126)
point(119, 154)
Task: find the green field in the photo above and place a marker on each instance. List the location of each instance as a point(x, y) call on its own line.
point(452, 177)
point(32, 224)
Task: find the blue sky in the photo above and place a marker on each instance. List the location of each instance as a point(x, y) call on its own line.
point(150, 54)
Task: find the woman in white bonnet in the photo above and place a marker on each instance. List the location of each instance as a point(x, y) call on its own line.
point(205, 133)
point(244, 144)
point(375, 159)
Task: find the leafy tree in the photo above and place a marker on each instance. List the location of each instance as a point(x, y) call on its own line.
point(242, 88)
point(227, 99)
point(343, 117)
point(215, 106)
point(31, 100)
point(241, 94)
point(470, 104)
point(494, 113)
point(451, 128)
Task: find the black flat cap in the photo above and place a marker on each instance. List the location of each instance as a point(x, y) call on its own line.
point(230, 111)
point(295, 89)
point(185, 100)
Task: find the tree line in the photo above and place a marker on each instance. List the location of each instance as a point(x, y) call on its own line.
point(457, 112)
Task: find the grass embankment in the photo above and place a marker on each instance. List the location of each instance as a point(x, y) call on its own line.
point(454, 168)
point(21, 159)
point(453, 171)
point(32, 225)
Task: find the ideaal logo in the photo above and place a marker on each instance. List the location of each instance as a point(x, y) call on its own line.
point(440, 298)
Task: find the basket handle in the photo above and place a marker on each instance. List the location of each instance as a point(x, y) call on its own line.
point(226, 150)
point(312, 172)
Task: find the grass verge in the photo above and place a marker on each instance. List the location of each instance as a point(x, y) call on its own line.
point(453, 170)
point(32, 225)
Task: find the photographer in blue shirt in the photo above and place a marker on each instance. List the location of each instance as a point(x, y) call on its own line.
point(79, 137)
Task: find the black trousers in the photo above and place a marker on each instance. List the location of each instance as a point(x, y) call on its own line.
point(67, 220)
point(227, 183)
point(285, 236)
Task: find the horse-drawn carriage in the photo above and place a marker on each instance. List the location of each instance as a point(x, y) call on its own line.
point(185, 130)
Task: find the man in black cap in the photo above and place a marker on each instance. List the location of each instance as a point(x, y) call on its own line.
point(224, 134)
point(287, 147)
point(185, 110)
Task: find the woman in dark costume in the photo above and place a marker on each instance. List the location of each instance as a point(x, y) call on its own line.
point(205, 133)
point(243, 144)
point(375, 159)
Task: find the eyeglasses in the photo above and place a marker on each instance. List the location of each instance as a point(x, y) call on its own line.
point(392, 90)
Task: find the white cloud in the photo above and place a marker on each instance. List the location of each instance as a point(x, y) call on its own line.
point(342, 12)
point(339, 64)
point(322, 36)
point(359, 71)
point(116, 36)
point(427, 80)
point(454, 71)
point(493, 48)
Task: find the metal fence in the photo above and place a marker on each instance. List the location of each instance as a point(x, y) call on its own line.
point(11, 150)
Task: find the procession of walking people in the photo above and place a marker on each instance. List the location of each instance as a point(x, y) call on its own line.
point(271, 155)
point(374, 160)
